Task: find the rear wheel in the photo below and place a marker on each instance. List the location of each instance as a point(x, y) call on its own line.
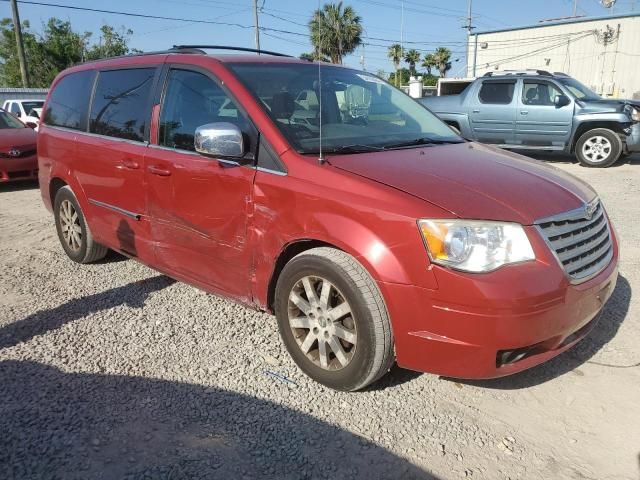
point(598, 148)
point(73, 232)
point(333, 320)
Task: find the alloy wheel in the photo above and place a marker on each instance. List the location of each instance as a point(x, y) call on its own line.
point(70, 226)
point(322, 322)
point(597, 149)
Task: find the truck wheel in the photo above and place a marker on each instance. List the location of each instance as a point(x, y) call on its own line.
point(598, 148)
point(73, 231)
point(333, 320)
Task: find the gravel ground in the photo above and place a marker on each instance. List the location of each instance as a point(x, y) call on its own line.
point(114, 371)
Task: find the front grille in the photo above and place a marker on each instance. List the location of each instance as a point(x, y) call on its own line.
point(582, 245)
point(25, 151)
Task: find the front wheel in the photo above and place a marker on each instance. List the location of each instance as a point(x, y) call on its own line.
point(332, 319)
point(598, 148)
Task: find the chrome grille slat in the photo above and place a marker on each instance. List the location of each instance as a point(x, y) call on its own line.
point(582, 245)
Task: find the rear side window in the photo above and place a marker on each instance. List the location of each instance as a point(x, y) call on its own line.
point(121, 106)
point(15, 109)
point(69, 101)
point(497, 92)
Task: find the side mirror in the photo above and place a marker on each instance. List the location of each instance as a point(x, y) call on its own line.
point(31, 125)
point(561, 100)
point(220, 139)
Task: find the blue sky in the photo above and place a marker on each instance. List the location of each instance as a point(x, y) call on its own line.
point(430, 22)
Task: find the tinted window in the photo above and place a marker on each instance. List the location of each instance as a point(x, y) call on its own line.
point(497, 92)
point(191, 100)
point(15, 109)
point(8, 121)
point(121, 103)
point(69, 101)
point(28, 106)
point(539, 93)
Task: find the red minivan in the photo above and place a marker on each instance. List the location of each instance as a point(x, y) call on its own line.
point(322, 194)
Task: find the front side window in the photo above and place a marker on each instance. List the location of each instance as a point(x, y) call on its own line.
point(539, 93)
point(500, 93)
point(358, 111)
point(9, 121)
point(191, 100)
point(121, 103)
point(69, 101)
point(15, 109)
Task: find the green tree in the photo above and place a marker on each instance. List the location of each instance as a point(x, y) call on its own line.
point(335, 31)
point(395, 54)
point(400, 77)
point(429, 62)
point(312, 57)
point(412, 57)
point(57, 48)
point(442, 57)
point(111, 43)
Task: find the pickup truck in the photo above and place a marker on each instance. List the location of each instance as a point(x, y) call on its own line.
point(539, 110)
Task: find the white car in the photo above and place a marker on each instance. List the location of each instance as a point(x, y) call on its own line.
point(25, 109)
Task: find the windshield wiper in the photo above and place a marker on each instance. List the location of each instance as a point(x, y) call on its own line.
point(355, 148)
point(422, 141)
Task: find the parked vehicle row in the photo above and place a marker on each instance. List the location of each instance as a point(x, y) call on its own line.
point(18, 159)
point(372, 231)
point(27, 111)
point(538, 110)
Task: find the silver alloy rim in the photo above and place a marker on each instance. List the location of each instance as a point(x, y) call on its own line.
point(70, 225)
point(597, 149)
point(322, 323)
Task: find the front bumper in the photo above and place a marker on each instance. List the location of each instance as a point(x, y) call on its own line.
point(497, 324)
point(18, 168)
point(633, 139)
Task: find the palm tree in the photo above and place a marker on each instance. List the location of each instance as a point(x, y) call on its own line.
point(335, 31)
point(412, 57)
point(395, 54)
point(442, 56)
point(429, 62)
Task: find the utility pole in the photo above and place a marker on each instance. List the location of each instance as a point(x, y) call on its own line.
point(19, 44)
point(362, 58)
point(575, 8)
point(469, 27)
point(255, 20)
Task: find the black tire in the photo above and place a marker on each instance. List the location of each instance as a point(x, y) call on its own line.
point(607, 157)
point(86, 250)
point(372, 354)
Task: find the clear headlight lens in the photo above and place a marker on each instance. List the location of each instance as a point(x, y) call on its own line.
point(473, 245)
point(635, 114)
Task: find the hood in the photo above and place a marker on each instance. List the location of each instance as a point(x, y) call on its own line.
point(17, 137)
point(606, 105)
point(473, 181)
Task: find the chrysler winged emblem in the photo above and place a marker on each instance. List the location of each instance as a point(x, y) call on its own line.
point(589, 209)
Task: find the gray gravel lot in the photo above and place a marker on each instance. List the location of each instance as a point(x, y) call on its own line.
point(114, 371)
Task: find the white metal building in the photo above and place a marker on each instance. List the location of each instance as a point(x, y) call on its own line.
point(603, 53)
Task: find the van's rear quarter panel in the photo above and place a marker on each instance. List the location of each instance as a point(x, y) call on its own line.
point(56, 155)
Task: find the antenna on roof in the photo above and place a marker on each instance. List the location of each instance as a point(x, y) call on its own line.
point(321, 159)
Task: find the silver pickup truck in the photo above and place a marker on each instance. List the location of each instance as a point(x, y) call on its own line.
point(539, 110)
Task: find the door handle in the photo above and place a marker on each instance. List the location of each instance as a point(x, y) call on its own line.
point(524, 112)
point(475, 111)
point(128, 164)
point(162, 172)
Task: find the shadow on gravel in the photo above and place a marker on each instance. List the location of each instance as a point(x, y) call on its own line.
point(134, 294)
point(612, 316)
point(19, 185)
point(69, 425)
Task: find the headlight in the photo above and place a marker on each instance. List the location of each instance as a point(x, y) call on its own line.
point(635, 114)
point(475, 246)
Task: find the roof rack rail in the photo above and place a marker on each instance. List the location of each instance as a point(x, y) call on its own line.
point(543, 73)
point(561, 74)
point(200, 49)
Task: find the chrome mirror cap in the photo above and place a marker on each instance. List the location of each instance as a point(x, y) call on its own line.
point(220, 139)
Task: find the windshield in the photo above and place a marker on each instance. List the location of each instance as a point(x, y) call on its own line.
point(579, 90)
point(28, 106)
point(360, 112)
point(9, 121)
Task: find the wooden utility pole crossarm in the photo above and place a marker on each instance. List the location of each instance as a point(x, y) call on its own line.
point(18, 29)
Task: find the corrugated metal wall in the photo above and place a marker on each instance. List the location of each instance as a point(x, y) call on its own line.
point(22, 93)
point(604, 54)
